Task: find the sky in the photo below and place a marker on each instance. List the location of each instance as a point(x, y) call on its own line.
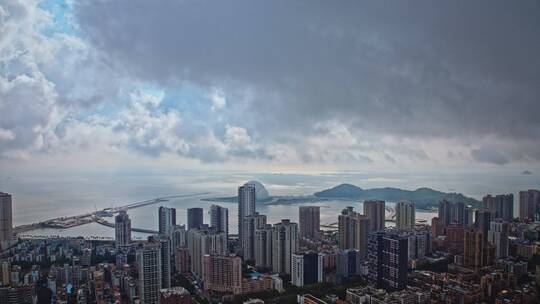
point(400, 93)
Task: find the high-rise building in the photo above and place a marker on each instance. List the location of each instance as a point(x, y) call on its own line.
point(219, 218)
point(444, 216)
point(348, 263)
point(505, 207)
point(284, 244)
point(436, 227)
point(122, 229)
point(6, 218)
point(204, 241)
point(452, 213)
point(353, 230)
point(529, 205)
point(473, 247)
point(419, 243)
point(246, 206)
point(307, 269)
point(309, 220)
point(181, 260)
point(179, 236)
point(500, 206)
point(468, 217)
point(388, 260)
point(488, 202)
point(194, 218)
point(223, 273)
point(482, 222)
point(498, 236)
point(149, 268)
point(263, 246)
point(250, 224)
point(166, 265)
point(405, 215)
point(166, 219)
point(374, 210)
point(6, 275)
point(453, 241)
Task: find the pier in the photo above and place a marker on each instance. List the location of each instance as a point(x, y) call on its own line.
point(90, 217)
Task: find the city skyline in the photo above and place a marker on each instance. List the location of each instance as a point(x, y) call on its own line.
point(269, 152)
point(351, 250)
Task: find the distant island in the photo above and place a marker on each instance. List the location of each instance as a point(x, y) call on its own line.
point(423, 198)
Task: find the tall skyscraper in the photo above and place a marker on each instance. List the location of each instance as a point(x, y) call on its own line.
point(122, 229)
point(246, 206)
point(453, 241)
point(468, 216)
point(452, 213)
point(167, 219)
point(309, 220)
point(529, 205)
point(179, 237)
point(204, 241)
point(219, 218)
point(223, 273)
point(498, 236)
point(473, 248)
point(500, 206)
point(488, 202)
point(263, 246)
point(307, 269)
point(388, 260)
point(149, 268)
point(436, 227)
point(405, 215)
point(444, 213)
point(6, 273)
point(251, 224)
point(374, 210)
point(165, 252)
point(181, 260)
point(6, 218)
point(194, 218)
point(353, 230)
point(505, 207)
point(284, 244)
point(482, 221)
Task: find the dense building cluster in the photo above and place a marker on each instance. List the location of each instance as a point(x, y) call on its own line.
point(469, 254)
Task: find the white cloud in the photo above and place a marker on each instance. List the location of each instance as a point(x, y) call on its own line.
point(6, 135)
point(146, 97)
point(237, 137)
point(71, 93)
point(218, 100)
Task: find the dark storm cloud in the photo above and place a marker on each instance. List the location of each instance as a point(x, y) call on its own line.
point(487, 155)
point(463, 70)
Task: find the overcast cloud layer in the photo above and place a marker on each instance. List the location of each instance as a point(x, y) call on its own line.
point(362, 83)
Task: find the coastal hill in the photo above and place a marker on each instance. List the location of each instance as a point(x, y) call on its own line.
point(421, 197)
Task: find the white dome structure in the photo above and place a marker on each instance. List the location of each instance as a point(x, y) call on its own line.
point(261, 193)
